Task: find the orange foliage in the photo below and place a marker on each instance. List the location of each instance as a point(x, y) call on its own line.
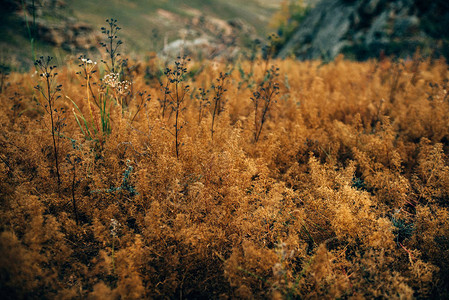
point(344, 194)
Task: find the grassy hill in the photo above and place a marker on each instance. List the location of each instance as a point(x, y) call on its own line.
point(140, 18)
point(145, 24)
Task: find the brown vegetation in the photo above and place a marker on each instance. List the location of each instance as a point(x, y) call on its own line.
point(343, 194)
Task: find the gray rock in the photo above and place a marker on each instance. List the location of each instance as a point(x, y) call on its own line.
point(406, 26)
point(365, 28)
point(326, 27)
point(378, 30)
point(371, 6)
point(71, 36)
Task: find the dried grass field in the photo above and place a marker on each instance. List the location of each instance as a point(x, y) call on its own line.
point(199, 179)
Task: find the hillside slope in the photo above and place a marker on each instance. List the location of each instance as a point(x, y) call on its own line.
point(59, 28)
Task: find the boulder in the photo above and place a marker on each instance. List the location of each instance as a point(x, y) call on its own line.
point(68, 34)
point(210, 38)
point(366, 28)
point(51, 24)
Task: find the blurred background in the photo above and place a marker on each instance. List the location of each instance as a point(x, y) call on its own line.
point(224, 29)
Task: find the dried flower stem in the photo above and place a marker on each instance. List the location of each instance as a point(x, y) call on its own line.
point(219, 90)
point(263, 98)
point(49, 93)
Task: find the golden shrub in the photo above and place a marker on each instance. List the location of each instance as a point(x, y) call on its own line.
point(343, 195)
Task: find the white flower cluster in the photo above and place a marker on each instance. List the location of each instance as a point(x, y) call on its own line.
point(283, 253)
point(112, 80)
point(114, 226)
point(88, 61)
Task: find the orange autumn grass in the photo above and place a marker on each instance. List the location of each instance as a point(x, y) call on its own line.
point(344, 194)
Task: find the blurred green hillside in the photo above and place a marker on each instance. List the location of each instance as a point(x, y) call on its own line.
point(147, 25)
point(139, 17)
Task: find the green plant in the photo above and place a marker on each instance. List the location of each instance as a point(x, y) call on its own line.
point(49, 91)
point(125, 186)
point(88, 69)
point(91, 127)
point(403, 230)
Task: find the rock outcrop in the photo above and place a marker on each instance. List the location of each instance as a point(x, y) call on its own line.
point(210, 38)
point(49, 22)
point(368, 28)
point(71, 35)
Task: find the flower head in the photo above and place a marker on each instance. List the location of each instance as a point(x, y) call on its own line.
point(113, 80)
point(113, 226)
